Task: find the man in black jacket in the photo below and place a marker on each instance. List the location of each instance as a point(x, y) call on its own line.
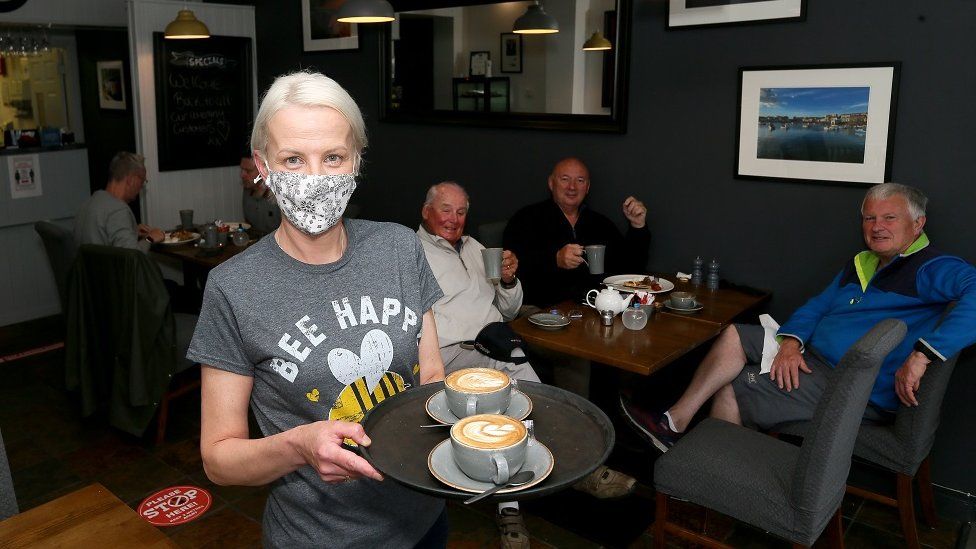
point(548, 238)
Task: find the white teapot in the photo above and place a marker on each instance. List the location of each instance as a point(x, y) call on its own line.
point(608, 299)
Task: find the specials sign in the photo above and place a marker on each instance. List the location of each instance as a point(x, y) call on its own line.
point(174, 506)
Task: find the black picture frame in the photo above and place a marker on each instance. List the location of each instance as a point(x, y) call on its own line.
point(511, 61)
point(823, 144)
point(694, 14)
point(478, 63)
point(204, 100)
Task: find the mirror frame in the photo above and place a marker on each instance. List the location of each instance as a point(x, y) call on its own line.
point(616, 122)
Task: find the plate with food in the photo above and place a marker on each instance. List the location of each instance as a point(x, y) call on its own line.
point(234, 225)
point(176, 238)
point(635, 282)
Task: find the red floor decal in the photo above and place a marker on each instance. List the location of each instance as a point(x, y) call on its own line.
point(175, 505)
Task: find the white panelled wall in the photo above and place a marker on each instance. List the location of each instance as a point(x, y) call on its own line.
point(213, 192)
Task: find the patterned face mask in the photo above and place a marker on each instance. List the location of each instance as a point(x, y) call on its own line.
point(312, 203)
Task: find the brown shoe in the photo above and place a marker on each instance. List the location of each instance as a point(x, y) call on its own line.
point(605, 483)
point(512, 529)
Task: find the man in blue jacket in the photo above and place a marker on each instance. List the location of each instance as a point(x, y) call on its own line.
point(900, 275)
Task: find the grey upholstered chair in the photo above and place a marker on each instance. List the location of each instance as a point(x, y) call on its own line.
point(8, 500)
point(60, 247)
point(903, 448)
point(788, 491)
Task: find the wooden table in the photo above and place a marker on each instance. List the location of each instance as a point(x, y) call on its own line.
point(666, 337)
point(89, 517)
point(196, 261)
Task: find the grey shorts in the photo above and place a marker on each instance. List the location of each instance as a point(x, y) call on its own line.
point(763, 405)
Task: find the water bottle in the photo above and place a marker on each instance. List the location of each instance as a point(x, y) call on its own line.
point(634, 318)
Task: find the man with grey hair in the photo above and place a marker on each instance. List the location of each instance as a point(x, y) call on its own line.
point(106, 218)
point(900, 276)
point(470, 302)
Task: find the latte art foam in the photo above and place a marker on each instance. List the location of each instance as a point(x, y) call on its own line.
point(477, 380)
point(488, 431)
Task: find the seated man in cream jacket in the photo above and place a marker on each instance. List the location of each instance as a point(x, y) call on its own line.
point(471, 302)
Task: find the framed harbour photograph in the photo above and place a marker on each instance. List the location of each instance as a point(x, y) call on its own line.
point(320, 29)
point(111, 85)
point(828, 123)
point(511, 50)
point(700, 13)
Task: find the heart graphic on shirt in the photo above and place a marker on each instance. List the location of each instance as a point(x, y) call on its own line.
point(373, 360)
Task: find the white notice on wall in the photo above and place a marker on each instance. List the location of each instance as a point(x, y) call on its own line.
point(25, 176)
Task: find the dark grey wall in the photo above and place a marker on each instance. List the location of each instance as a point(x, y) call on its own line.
point(678, 153)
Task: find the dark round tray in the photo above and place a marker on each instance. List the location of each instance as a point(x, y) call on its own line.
point(578, 433)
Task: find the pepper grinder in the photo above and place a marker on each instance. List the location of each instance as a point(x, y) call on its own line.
point(713, 275)
point(696, 271)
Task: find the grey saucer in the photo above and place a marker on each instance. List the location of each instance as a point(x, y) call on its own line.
point(440, 461)
point(549, 321)
point(698, 306)
point(519, 408)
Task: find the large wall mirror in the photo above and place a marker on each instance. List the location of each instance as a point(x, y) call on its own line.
point(458, 62)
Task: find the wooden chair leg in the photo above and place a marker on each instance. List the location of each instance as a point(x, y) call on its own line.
point(906, 511)
point(925, 495)
point(161, 419)
point(660, 519)
point(835, 530)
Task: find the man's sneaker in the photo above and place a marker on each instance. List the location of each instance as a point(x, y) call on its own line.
point(654, 427)
point(605, 483)
point(512, 529)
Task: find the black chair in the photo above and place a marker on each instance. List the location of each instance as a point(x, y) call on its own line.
point(125, 345)
point(490, 234)
point(788, 491)
point(60, 247)
point(8, 500)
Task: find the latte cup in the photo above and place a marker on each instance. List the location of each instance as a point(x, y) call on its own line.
point(477, 391)
point(489, 447)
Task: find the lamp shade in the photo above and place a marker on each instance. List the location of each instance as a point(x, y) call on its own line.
point(185, 26)
point(365, 11)
point(535, 21)
point(597, 42)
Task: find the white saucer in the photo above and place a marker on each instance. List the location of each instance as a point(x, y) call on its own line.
point(519, 408)
point(698, 306)
point(440, 461)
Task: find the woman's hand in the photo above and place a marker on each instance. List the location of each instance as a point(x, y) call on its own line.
point(320, 444)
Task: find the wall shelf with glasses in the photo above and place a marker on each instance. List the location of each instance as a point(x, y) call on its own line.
point(482, 94)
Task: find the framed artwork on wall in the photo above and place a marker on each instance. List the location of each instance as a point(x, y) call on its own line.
point(827, 123)
point(700, 13)
point(111, 85)
point(321, 31)
point(511, 50)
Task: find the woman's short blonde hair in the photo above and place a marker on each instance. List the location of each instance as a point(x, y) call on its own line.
point(308, 89)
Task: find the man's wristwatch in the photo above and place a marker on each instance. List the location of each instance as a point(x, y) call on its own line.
point(925, 350)
point(508, 286)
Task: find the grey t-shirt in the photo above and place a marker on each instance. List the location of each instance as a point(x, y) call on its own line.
point(107, 221)
point(325, 342)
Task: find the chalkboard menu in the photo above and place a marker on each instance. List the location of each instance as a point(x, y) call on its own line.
point(204, 103)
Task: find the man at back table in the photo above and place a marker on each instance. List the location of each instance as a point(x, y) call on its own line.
point(471, 302)
point(549, 237)
point(899, 276)
point(106, 219)
point(260, 207)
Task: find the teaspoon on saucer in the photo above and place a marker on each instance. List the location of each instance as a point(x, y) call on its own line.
point(517, 479)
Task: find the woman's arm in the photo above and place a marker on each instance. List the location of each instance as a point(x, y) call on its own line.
point(231, 457)
point(429, 354)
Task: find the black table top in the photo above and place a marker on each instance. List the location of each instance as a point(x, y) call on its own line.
point(579, 435)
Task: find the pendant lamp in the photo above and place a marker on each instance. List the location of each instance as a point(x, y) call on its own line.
point(597, 42)
point(535, 21)
point(186, 26)
point(365, 11)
